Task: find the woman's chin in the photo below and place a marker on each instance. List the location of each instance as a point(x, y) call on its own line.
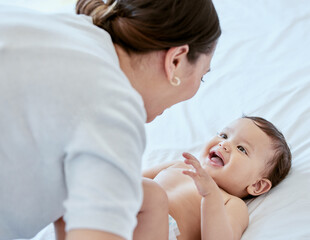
point(150, 118)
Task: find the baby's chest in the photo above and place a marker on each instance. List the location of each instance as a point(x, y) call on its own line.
point(173, 179)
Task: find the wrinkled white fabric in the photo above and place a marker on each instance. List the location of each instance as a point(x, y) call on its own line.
point(173, 229)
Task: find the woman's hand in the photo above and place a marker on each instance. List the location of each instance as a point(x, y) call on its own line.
point(204, 183)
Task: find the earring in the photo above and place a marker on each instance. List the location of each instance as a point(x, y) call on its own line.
point(175, 81)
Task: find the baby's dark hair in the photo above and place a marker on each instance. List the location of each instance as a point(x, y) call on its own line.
point(279, 165)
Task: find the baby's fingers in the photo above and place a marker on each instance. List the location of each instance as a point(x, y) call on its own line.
point(190, 173)
point(188, 155)
point(190, 159)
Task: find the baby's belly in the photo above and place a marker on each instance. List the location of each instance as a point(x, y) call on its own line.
point(184, 201)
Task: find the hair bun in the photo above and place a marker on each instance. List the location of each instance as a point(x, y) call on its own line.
point(142, 26)
point(99, 10)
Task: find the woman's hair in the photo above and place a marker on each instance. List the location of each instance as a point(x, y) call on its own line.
point(141, 26)
point(279, 165)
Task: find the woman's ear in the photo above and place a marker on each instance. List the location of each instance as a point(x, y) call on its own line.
point(259, 187)
point(173, 57)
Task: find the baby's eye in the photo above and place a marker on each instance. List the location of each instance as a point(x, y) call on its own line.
point(223, 135)
point(242, 149)
point(202, 79)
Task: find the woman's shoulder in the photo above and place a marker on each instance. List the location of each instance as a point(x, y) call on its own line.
point(61, 35)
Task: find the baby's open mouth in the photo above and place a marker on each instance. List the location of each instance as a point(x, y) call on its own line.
point(216, 159)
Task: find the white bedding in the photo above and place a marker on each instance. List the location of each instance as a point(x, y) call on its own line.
point(261, 67)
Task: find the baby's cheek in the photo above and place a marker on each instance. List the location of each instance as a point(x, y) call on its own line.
point(212, 143)
point(245, 175)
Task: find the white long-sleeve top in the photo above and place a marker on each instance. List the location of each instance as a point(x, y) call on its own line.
point(71, 127)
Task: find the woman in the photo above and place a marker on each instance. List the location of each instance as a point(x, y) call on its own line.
point(75, 93)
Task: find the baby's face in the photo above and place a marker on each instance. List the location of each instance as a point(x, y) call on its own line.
point(237, 156)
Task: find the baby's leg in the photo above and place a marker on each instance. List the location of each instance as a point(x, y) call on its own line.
point(153, 216)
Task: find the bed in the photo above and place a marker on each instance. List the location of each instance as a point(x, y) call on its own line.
point(261, 67)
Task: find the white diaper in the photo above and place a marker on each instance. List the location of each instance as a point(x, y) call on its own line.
point(173, 229)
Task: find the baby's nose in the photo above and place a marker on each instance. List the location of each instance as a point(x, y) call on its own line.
point(224, 145)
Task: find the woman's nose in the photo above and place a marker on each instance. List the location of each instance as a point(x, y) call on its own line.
point(224, 145)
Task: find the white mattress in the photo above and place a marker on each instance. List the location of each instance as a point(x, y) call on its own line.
point(261, 67)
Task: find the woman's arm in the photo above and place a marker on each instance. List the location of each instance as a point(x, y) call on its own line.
point(82, 234)
point(59, 227)
point(78, 234)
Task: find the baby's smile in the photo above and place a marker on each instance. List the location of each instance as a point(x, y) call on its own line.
point(216, 159)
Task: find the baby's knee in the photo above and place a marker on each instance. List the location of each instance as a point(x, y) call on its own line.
point(154, 194)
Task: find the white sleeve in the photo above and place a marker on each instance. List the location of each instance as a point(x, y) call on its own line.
point(103, 168)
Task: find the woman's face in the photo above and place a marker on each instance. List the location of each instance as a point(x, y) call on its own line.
point(190, 75)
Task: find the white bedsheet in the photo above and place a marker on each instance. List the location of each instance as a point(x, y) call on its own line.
point(261, 67)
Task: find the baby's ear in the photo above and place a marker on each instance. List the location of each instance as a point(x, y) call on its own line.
point(259, 187)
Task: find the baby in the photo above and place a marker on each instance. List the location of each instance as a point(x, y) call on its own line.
point(204, 199)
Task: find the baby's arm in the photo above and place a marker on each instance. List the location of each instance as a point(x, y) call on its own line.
point(153, 171)
point(223, 221)
point(219, 220)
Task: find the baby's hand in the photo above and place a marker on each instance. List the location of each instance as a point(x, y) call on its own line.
point(204, 183)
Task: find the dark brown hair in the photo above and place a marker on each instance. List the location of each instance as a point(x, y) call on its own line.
point(141, 26)
point(279, 165)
